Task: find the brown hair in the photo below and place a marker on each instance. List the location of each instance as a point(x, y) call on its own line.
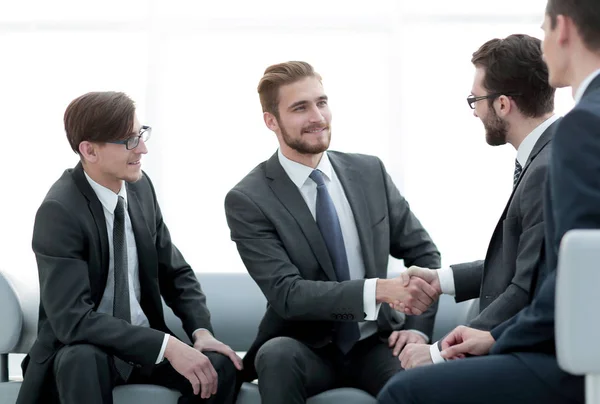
point(585, 15)
point(99, 117)
point(279, 75)
point(514, 66)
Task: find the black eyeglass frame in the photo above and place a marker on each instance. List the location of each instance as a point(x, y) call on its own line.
point(471, 99)
point(133, 142)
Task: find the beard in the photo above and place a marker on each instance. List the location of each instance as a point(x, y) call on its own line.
point(496, 129)
point(302, 146)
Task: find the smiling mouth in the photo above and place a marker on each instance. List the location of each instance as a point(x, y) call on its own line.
point(135, 163)
point(316, 130)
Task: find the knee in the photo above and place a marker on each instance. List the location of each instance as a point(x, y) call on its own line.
point(279, 352)
point(224, 367)
point(75, 356)
point(396, 390)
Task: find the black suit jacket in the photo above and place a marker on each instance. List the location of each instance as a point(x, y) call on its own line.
point(71, 248)
point(503, 282)
point(283, 250)
point(572, 202)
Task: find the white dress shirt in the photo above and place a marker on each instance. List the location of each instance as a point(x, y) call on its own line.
point(299, 174)
point(446, 275)
point(109, 199)
point(584, 85)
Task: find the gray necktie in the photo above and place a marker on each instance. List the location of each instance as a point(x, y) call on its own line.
point(121, 308)
point(517, 173)
point(329, 224)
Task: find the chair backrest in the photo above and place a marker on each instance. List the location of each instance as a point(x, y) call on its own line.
point(577, 302)
point(11, 316)
point(236, 306)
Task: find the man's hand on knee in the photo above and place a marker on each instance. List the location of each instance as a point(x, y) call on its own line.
point(414, 355)
point(204, 341)
point(194, 366)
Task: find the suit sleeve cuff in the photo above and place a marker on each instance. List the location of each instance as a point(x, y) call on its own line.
point(446, 276)
point(370, 305)
point(421, 334)
point(161, 354)
point(436, 356)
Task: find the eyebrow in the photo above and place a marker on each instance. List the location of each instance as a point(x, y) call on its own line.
point(303, 102)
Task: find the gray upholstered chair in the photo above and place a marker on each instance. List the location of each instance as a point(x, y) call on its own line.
point(236, 305)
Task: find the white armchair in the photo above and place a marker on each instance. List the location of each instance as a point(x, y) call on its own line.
point(577, 305)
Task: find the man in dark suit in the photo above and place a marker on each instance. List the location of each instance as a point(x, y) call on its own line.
point(105, 258)
point(513, 99)
point(315, 229)
point(521, 366)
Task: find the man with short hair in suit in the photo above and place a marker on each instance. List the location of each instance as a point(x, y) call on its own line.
point(513, 99)
point(521, 366)
point(105, 258)
point(315, 229)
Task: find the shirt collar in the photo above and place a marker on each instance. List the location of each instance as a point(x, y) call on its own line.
point(299, 173)
point(584, 85)
point(107, 198)
point(527, 145)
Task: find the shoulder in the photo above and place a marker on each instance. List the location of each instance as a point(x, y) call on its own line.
point(65, 192)
point(255, 182)
point(355, 158)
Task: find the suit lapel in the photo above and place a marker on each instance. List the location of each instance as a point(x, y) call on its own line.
point(350, 179)
point(290, 197)
point(539, 146)
point(98, 214)
point(143, 240)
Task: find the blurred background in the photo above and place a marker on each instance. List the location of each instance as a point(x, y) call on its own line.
point(396, 72)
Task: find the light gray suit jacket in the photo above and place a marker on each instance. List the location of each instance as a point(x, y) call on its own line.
point(503, 282)
point(284, 252)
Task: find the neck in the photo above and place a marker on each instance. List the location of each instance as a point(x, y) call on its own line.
point(523, 128)
point(309, 160)
point(114, 184)
point(587, 63)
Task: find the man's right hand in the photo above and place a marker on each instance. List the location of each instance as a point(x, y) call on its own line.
point(430, 276)
point(416, 294)
point(194, 366)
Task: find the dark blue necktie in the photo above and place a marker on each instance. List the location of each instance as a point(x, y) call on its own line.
point(329, 225)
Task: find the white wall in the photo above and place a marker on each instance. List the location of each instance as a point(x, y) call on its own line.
point(397, 74)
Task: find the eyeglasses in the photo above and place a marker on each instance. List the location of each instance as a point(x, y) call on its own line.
point(133, 142)
point(471, 100)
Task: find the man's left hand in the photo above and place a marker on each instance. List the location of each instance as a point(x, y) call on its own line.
point(204, 341)
point(414, 355)
point(398, 339)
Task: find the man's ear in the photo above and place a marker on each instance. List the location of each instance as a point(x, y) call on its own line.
point(504, 106)
point(88, 151)
point(271, 121)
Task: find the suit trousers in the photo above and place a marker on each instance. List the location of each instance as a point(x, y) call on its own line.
point(493, 379)
point(86, 374)
point(290, 371)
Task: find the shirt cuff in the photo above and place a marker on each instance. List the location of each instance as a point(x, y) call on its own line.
point(370, 305)
point(161, 354)
point(446, 276)
point(435, 353)
point(421, 334)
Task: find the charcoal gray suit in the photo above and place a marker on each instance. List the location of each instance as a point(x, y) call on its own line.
point(283, 250)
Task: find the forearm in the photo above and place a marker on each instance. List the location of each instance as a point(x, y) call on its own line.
point(505, 306)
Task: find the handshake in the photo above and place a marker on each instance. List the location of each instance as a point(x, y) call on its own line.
point(412, 292)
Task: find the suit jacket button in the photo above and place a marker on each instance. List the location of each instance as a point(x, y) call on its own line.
point(334, 316)
point(351, 316)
